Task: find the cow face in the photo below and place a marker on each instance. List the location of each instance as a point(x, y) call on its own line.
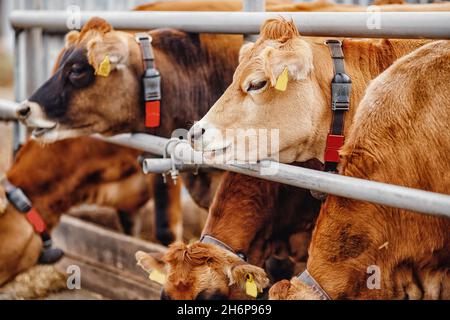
point(95, 86)
point(273, 88)
point(202, 271)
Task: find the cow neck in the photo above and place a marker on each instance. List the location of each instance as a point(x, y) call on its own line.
point(23, 204)
point(364, 61)
point(242, 232)
point(340, 103)
point(212, 240)
point(151, 82)
point(195, 70)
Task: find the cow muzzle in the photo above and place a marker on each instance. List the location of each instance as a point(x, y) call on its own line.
point(206, 138)
point(31, 114)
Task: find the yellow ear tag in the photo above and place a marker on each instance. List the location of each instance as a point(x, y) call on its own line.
point(250, 286)
point(282, 80)
point(104, 68)
point(157, 276)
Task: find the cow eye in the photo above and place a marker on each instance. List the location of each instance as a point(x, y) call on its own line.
point(255, 86)
point(78, 69)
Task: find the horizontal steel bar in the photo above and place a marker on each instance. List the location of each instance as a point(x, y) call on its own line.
point(433, 25)
point(8, 110)
point(348, 187)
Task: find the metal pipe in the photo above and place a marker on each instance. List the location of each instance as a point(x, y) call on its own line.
point(349, 187)
point(253, 6)
point(433, 25)
point(158, 165)
point(8, 110)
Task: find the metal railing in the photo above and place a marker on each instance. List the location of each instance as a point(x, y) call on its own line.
point(182, 155)
point(433, 25)
point(8, 110)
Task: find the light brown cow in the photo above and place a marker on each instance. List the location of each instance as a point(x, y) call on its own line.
point(266, 222)
point(399, 135)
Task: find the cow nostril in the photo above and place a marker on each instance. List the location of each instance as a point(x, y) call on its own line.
point(24, 111)
point(197, 133)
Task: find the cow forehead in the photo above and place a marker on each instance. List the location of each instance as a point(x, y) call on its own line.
point(73, 55)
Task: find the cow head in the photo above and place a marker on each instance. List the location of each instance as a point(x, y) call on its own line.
point(202, 271)
point(274, 87)
point(95, 86)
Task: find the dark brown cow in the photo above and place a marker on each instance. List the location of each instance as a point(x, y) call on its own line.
point(98, 174)
point(269, 223)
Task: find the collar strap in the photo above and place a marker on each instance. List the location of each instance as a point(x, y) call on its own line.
point(308, 280)
point(209, 239)
point(340, 103)
point(151, 82)
point(22, 203)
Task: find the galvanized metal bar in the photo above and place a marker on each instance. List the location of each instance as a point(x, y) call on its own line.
point(253, 6)
point(433, 25)
point(354, 188)
point(19, 130)
point(8, 110)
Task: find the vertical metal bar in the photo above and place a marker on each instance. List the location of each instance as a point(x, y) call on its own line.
point(19, 131)
point(253, 6)
point(28, 67)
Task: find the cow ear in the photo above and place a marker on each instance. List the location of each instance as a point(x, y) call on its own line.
point(71, 38)
point(107, 52)
point(250, 278)
point(245, 49)
point(150, 261)
point(297, 60)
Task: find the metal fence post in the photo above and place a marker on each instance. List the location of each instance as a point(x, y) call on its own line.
point(28, 67)
point(253, 6)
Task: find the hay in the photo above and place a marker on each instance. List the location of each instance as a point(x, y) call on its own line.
point(36, 283)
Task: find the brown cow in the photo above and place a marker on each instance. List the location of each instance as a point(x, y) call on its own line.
point(399, 135)
point(271, 218)
point(55, 183)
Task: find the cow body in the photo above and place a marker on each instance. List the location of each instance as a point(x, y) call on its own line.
point(97, 173)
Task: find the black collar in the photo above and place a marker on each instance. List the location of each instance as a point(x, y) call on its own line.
point(340, 104)
point(16, 196)
point(209, 239)
point(151, 82)
point(308, 280)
